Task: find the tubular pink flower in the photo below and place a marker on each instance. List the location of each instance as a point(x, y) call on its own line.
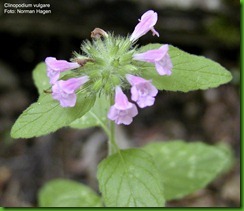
point(159, 57)
point(142, 91)
point(146, 23)
point(122, 111)
point(64, 91)
point(55, 67)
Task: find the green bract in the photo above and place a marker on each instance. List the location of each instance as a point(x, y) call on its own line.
point(111, 61)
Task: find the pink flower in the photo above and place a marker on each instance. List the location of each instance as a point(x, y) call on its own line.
point(55, 67)
point(146, 23)
point(64, 91)
point(122, 111)
point(142, 91)
point(159, 57)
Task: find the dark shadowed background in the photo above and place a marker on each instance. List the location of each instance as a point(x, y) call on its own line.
point(210, 28)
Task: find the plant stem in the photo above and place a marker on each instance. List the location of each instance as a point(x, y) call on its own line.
point(112, 145)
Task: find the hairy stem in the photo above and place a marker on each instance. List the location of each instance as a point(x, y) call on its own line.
point(112, 145)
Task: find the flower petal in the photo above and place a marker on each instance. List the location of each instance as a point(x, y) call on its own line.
point(52, 75)
point(73, 84)
point(134, 94)
point(64, 91)
point(60, 65)
point(69, 101)
point(146, 101)
point(154, 32)
point(112, 114)
point(147, 21)
point(122, 111)
point(152, 55)
point(164, 66)
point(142, 91)
point(121, 101)
point(55, 67)
point(133, 80)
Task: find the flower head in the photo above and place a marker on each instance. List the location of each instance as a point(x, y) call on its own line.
point(146, 23)
point(64, 91)
point(122, 111)
point(142, 91)
point(110, 61)
point(55, 67)
point(159, 57)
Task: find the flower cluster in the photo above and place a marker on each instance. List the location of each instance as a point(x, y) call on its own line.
point(111, 66)
point(63, 91)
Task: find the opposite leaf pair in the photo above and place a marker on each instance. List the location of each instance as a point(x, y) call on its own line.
point(190, 72)
point(167, 174)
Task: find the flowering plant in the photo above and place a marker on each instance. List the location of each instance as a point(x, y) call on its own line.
point(90, 91)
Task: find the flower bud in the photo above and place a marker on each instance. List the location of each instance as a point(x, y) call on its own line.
point(98, 33)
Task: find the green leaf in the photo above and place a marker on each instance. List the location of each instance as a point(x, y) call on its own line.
point(229, 155)
point(186, 167)
point(46, 116)
point(130, 178)
point(67, 193)
point(190, 72)
point(97, 116)
point(40, 77)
